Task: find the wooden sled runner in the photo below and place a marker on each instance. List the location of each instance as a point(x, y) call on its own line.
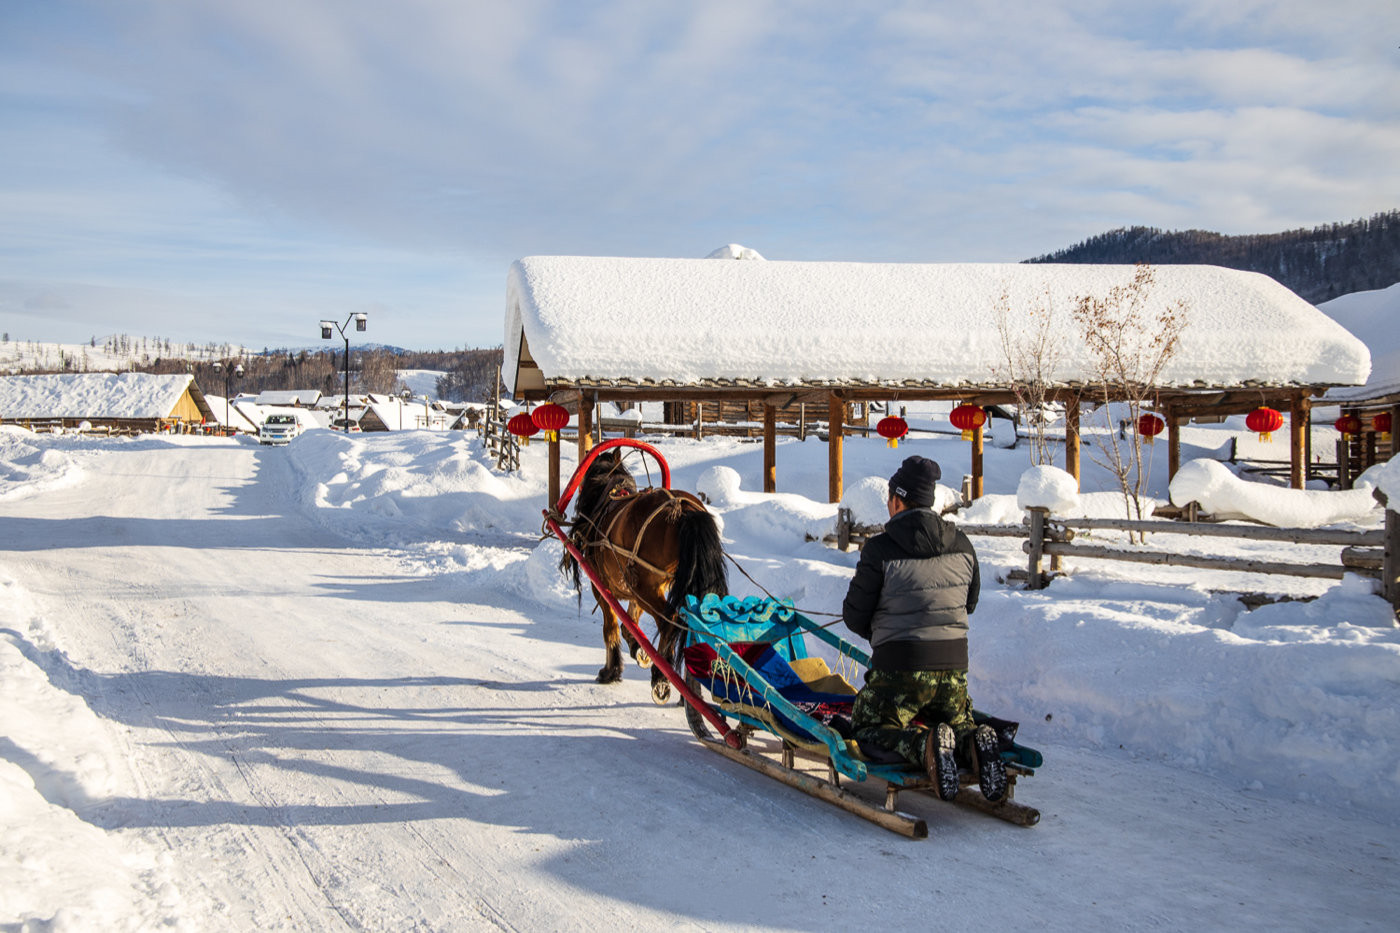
point(749, 657)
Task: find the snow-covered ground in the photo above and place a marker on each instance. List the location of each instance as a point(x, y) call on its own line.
point(341, 685)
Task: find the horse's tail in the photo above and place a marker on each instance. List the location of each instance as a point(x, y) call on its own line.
point(700, 565)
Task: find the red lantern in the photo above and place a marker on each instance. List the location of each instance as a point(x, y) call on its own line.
point(522, 426)
point(967, 418)
point(1150, 425)
point(892, 429)
point(1381, 424)
point(550, 419)
point(1265, 421)
point(1347, 425)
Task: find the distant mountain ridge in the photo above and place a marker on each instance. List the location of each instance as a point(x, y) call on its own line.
point(1319, 264)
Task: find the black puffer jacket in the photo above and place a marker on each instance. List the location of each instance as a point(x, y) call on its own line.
point(913, 590)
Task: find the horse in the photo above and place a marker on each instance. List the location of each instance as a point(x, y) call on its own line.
point(651, 549)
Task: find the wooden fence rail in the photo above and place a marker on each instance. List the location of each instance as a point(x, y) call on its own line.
point(1370, 553)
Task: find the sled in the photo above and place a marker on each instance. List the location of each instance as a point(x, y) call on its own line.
point(788, 702)
point(749, 656)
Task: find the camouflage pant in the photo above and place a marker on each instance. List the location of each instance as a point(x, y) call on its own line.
point(890, 701)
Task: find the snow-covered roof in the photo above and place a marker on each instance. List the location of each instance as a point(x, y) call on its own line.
point(304, 397)
point(1373, 316)
point(93, 395)
point(621, 320)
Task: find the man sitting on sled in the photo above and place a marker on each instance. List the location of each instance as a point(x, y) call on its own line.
point(913, 590)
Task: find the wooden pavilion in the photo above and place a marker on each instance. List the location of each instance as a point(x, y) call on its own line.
point(585, 330)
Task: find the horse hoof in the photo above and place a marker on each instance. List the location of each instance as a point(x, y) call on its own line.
point(642, 658)
point(609, 676)
point(661, 693)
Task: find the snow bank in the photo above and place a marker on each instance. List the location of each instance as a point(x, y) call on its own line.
point(778, 523)
point(29, 466)
point(1294, 699)
point(1386, 478)
point(868, 500)
point(58, 765)
point(1222, 493)
point(400, 485)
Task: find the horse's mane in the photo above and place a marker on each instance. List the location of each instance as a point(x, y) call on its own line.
point(604, 475)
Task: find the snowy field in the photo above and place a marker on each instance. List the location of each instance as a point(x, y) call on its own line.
point(341, 686)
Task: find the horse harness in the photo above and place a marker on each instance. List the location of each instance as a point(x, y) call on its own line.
point(630, 555)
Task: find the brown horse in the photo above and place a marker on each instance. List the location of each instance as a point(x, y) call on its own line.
point(652, 549)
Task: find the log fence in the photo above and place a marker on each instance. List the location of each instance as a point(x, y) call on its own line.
point(1372, 553)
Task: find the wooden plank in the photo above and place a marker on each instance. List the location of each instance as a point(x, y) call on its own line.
point(903, 823)
point(1234, 564)
point(1173, 443)
point(1249, 532)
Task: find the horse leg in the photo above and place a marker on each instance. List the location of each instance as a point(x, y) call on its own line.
point(611, 671)
point(638, 652)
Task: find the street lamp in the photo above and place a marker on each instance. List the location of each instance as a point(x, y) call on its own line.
point(326, 328)
point(230, 373)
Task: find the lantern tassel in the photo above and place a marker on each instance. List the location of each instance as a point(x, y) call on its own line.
point(892, 442)
point(1267, 437)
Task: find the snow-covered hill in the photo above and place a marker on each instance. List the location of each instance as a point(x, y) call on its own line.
point(103, 354)
point(342, 685)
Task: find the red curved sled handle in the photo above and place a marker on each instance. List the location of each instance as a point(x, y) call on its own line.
point(568, 494)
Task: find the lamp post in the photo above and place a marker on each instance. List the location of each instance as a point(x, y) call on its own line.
point(326, 327)
point(230, 373)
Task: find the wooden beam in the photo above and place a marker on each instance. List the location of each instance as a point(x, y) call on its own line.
point(1297, 448)
point(1072, 444)
point(585, 427)
point(770, 449)
point(835, 447)
point(554, 488)
point(1173, 443)
point(977, 484)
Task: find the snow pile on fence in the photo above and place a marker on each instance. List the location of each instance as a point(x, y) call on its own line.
point(1048, 487)
point(1224, 494)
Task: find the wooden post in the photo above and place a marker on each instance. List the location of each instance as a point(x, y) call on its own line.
point(554, 471)
point(977, 462)
point(835, 447)
point(1036, 548)
point(801, 421)
point(1072, 448)
point(1390, 562)
point(770, 448)
point(1297, 428)
point(1173, 443)
point(585, 427)
point(1343, 463)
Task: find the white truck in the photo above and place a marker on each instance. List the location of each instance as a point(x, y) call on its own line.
point(279, 429)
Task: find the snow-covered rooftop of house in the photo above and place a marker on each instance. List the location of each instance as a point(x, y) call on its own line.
point(91, 395)
point(303, 397)
point(779, 323)
point(1375, 315)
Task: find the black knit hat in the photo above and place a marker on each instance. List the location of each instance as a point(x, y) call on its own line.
point(915, 481)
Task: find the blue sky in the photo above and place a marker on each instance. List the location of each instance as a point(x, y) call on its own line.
point(238, 170)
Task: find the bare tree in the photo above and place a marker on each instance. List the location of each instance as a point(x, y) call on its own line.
point(1031, 346)
point(1130, 343)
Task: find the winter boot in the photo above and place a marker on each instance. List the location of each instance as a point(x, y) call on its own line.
point(940, 760)
point(991, 772)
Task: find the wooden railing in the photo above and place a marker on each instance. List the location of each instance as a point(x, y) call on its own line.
point(1374, 553)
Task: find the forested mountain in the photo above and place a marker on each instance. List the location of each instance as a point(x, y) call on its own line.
point(1319, 264)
